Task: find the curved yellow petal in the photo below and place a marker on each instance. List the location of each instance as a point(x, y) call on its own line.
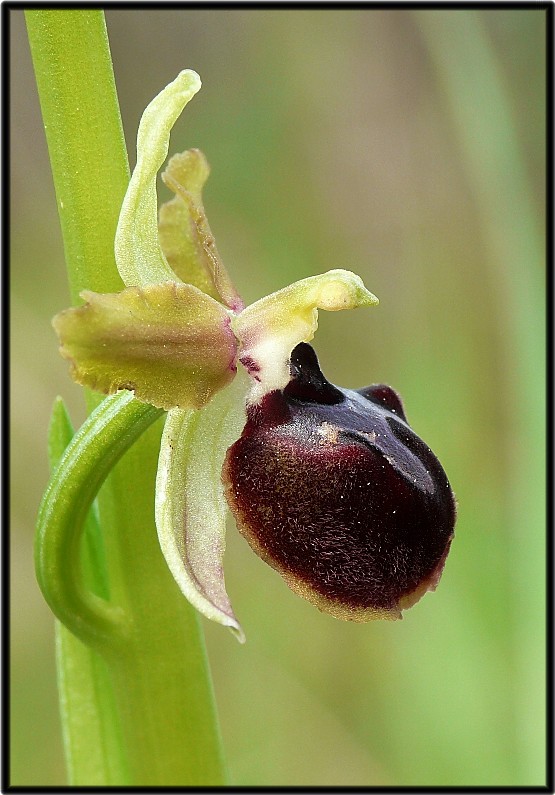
point(185, 234)
point(270, 328)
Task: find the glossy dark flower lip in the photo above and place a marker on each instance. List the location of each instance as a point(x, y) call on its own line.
point(334, 490)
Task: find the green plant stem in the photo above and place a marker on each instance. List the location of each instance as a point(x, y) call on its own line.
point(85, 139)
point(160, 674)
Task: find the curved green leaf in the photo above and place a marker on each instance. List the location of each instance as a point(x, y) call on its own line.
point(102, 439)
point(90, 722)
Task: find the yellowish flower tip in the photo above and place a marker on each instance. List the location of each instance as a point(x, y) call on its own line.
point(344, 290)
point(188, 81)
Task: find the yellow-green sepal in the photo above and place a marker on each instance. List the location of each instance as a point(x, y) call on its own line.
point(169, 343)
point(139, 256)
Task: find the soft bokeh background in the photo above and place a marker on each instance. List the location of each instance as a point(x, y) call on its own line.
point(409, 147)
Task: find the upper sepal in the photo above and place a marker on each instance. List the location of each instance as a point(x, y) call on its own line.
point(139, 256)
point(169, 343)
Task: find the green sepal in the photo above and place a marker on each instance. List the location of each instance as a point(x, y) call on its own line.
point(169, 343)
point(139, 257)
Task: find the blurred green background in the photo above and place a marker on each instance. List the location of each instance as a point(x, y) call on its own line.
point(409, 147)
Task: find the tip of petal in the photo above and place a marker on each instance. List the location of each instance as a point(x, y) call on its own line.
point(237, 632)
point(344, 290)
point(188, 80)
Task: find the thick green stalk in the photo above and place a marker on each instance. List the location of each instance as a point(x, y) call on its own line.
point(160, 675)
point(85, 139)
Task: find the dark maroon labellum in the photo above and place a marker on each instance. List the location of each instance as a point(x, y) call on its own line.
point(333, 489)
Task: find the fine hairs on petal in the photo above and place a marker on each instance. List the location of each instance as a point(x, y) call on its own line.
point(333, 489)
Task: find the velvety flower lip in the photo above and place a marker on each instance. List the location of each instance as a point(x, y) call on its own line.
point(334, 490)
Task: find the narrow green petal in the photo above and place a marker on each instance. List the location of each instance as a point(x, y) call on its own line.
point(270, 328)
point(169, 343)
point(177, 229)
point(139, 257)
point(184, 231)
point(190, 502)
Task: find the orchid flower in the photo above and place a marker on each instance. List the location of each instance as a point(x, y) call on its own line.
point(331, 487)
